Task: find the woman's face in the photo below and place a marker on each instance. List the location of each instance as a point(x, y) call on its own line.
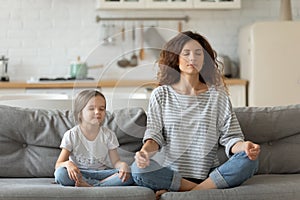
point(191, 57)
point(94, 111)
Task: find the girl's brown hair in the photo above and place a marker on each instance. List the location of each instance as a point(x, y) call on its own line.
point(169, 72)
point(81, 99)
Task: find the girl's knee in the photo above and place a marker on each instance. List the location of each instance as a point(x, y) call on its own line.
point(62, 177)
point(60, 172)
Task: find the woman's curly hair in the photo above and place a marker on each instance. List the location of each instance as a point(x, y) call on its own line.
point(168, 63)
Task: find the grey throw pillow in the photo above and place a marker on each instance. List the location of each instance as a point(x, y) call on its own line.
point(277, 130)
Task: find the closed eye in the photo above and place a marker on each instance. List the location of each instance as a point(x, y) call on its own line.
point(186, 52)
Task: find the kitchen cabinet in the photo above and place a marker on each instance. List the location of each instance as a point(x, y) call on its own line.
point(5, 91)
point(217, 4)
point(125, 97)
point(115, 95)
point(139, 92)
point(167, 4)
point(120, 92)
point(69, 93)
point(115, 91)
point(120, 4)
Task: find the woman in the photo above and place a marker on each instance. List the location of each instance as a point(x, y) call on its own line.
point(85, 148)
point(189, 115)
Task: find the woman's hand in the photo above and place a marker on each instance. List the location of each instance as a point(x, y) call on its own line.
point(142, 159)
point(252, 150)
point(73, 171)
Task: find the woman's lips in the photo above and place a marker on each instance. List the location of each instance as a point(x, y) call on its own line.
point(192, 65)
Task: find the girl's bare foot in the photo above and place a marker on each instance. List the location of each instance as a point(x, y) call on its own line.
point(82, 183)
point(159, 193)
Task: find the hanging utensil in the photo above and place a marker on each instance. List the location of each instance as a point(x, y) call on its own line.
point(179, 26)
point(123, 62)
point(111, 32)
point(134, 58)
point(142, 52)
point(154, 40)
point(104, 34)
point(3, 65)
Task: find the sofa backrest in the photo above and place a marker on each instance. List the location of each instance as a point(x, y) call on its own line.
point(277, 130)
point(30, 138)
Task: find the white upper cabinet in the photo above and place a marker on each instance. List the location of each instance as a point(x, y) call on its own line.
point(120, 4)
point(217, 4)
point(168, 4)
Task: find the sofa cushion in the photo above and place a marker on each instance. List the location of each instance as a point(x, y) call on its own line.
point(277, 130)
point(42, 189)
point(30, 138)
point(264, 187)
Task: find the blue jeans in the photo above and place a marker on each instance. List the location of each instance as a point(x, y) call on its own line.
point(232, 173)
point(92, 177)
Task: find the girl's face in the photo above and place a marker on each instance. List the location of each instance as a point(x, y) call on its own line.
point(94, 111)
point(191, 58)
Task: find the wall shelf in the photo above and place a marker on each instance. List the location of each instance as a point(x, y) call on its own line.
point(167, 4)
point(185, 18)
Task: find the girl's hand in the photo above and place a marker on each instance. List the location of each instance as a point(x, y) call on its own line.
point(124, 172)
point(73, 171)
point(142, 159)
point(252, 150)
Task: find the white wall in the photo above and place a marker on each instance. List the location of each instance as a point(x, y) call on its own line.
point(42, 37)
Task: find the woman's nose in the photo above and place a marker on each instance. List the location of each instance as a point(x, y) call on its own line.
point(192, 56)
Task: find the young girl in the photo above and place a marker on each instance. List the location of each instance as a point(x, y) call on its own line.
point(83, 158)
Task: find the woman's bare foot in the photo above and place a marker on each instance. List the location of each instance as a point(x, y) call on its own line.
point(205, 185)
point(159, 193)
point(103, 180)
point(82, 183)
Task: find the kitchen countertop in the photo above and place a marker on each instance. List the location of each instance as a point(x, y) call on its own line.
point(87, 84)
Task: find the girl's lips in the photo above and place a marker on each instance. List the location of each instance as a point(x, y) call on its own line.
point(98, 117)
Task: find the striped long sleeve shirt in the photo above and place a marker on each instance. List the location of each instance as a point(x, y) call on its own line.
point(189, 129)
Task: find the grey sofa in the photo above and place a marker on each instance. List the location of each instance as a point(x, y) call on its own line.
point(30, 138)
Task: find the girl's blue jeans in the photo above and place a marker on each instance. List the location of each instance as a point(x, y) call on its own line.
point(232, 173)
point(92, 177)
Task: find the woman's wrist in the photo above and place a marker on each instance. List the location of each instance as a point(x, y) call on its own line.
point(238, 147)
point(150, 147)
